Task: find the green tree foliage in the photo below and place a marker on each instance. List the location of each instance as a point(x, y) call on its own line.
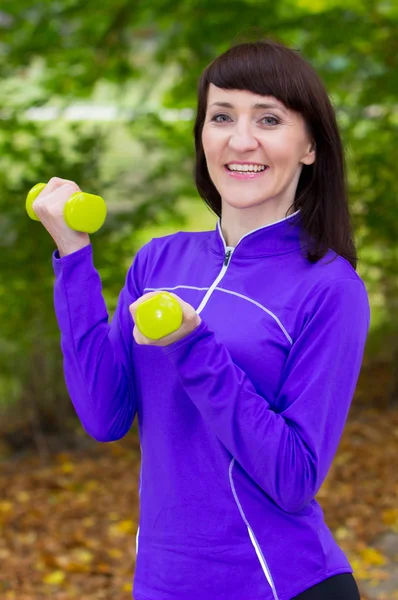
point(53, 52)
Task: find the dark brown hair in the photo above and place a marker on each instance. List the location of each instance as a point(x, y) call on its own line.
point(269, 68)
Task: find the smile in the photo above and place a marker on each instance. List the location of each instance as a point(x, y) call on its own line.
point(245, 167)
point(245, 174)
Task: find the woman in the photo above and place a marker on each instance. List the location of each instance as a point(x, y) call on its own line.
point(241, 410)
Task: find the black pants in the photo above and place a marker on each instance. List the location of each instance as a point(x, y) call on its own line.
point(338, 587)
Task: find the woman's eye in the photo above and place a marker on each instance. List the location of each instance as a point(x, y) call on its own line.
point(216, 117)
point(276, 121)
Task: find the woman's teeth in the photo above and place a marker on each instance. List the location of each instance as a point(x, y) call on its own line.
point(246, 168)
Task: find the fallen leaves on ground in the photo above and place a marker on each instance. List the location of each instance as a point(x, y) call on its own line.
point(67, 529)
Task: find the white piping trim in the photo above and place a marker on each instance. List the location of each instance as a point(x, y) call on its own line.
point(259, 306)
point(191, 287)
point(253, 539)
point(139, 493)
point(187, 287)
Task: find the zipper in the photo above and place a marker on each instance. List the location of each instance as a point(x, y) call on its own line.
point(229, 250)
point(227, 257)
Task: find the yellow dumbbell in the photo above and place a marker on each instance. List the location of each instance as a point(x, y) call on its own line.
point(82, 212)
point(159, 316)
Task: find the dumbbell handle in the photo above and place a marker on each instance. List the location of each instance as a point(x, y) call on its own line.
point(82, 212)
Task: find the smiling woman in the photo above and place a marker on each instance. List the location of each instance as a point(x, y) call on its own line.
point(241, 409)
point(253, 144)
point(276, 113)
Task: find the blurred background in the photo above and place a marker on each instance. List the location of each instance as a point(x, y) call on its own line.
point(105, 94)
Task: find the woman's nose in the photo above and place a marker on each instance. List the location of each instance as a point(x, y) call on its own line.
point(243, 140)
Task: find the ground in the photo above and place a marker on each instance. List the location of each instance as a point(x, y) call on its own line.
point(67, 528)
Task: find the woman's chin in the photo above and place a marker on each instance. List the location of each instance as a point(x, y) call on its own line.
point(242, 202)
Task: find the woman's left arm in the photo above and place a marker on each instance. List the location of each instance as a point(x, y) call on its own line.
point(288, 454)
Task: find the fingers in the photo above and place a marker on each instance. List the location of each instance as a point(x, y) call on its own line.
point(49, 207)
point(53, 184)
point(54, 196)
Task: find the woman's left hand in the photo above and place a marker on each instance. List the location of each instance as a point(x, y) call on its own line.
point(190, 321)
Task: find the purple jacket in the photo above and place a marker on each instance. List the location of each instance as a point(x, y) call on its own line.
point(239, 422)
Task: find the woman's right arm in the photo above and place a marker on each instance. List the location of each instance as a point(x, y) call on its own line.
point(98, 365)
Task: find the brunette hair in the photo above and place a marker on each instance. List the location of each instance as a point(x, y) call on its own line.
point(269, 68)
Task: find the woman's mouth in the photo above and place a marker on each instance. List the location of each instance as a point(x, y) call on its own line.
point(246, 172)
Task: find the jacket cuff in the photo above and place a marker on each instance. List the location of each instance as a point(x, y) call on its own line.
point(59, 262)
point(200, 331)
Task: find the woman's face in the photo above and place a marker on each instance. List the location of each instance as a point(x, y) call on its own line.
point(242, 136)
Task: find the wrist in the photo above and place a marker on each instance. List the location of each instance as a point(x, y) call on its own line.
point(65, 248)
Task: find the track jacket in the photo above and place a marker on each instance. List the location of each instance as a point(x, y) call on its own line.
point(239, 421)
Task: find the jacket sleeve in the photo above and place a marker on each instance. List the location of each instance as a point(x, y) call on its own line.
point(97, 360)
point(288, 453)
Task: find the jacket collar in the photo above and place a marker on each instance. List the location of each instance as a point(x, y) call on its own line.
point(280, 237)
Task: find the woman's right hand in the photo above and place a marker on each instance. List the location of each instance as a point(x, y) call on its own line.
point(49, 207)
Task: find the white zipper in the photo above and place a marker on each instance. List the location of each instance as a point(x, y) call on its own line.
point(229, 250)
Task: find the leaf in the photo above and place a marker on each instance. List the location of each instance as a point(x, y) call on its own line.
point(390, 517)
point(5, 506)
point(127, 526)
point(115, 553)
point(127, 587)
point(23, 496)
point(123, 528)
point(372, 557)
point(54, 578)
point(83, 556)
point(67, 467)
point(74, 567)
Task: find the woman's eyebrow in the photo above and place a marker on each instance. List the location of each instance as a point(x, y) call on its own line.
point(259, 105)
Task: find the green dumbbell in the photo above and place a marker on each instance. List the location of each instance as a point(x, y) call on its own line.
point(82, 212)
point(158, 316)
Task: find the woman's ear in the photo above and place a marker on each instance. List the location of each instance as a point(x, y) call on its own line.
point(309, 157)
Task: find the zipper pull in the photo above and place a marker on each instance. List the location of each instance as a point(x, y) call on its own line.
point(227, 257)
